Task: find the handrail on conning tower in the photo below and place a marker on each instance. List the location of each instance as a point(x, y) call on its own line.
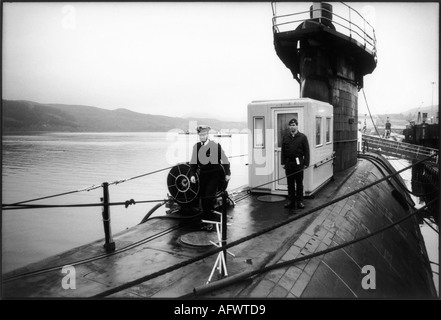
point(345, 23)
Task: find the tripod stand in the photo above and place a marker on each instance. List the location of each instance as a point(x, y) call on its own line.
point(221, 230)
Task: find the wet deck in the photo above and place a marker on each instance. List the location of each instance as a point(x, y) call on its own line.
point(144, 250)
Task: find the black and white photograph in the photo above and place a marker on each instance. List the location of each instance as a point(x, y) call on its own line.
point(220, 151)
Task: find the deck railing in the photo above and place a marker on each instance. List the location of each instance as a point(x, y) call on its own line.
point(345, 19)
point(399, 149)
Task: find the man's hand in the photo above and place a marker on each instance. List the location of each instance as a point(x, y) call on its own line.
point(192, 179)
point(227, 178)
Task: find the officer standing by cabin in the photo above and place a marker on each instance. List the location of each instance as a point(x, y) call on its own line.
point(295, 158)
point(388, 128)
point(209, 161)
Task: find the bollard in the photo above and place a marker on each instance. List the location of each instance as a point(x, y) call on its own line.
point(109, 245)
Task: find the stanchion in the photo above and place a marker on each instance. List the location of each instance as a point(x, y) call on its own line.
point(109, 245)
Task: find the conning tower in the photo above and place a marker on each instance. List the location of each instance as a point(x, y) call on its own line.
point(328, 54)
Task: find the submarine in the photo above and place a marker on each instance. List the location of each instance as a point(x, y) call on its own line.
point(357, 237)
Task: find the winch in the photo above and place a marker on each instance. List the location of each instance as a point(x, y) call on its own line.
point(184, 195)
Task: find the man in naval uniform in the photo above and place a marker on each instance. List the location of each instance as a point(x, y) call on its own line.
point(388, 128)
point(210, 162)
point(295, 158)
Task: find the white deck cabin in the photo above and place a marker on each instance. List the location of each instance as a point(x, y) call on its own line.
point(268, 122)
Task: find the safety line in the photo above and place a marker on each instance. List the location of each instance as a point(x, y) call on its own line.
point(59, 194)
point(289, 220)
point(291, 174)
point(40, 206)
point(425, 220)
point(86, 260)
point(99, 186)
point(140, 176)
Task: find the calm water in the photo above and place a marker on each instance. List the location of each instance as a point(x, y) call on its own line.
point(35, 166)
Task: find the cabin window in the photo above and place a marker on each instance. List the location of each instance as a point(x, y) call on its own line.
point(258, 132)
point(328, 130)
point(318, 131)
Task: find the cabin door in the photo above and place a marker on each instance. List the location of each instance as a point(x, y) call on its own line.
point(281, 118)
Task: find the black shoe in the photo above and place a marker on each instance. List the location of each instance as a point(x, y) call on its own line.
point(290, 205)
point(207, 227)
point(300, 205)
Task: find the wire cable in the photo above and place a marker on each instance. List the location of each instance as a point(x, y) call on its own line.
point(94, 258)
point(41, 206)
point(425, 220)
point(57, 195)
point(370, 113)
point(249, 274)
point(99, 186)
point(401, 184)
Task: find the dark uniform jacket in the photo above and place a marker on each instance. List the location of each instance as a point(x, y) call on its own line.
point(295, 147)
point(208, 158)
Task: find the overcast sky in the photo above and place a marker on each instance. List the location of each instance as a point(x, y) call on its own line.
point(179, 59)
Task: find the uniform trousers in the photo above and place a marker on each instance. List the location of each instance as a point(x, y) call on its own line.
point(295, 184)
point(209, 184)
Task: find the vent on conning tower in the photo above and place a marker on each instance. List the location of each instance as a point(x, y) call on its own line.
point(328, 49)
point(321, 13)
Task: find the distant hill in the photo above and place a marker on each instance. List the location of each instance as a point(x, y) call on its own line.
point(410, 114)
point(25, 116)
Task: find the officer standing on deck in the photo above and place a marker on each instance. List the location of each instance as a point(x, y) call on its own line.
point(388, 128)
point(210, 162)
point(295, 158)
